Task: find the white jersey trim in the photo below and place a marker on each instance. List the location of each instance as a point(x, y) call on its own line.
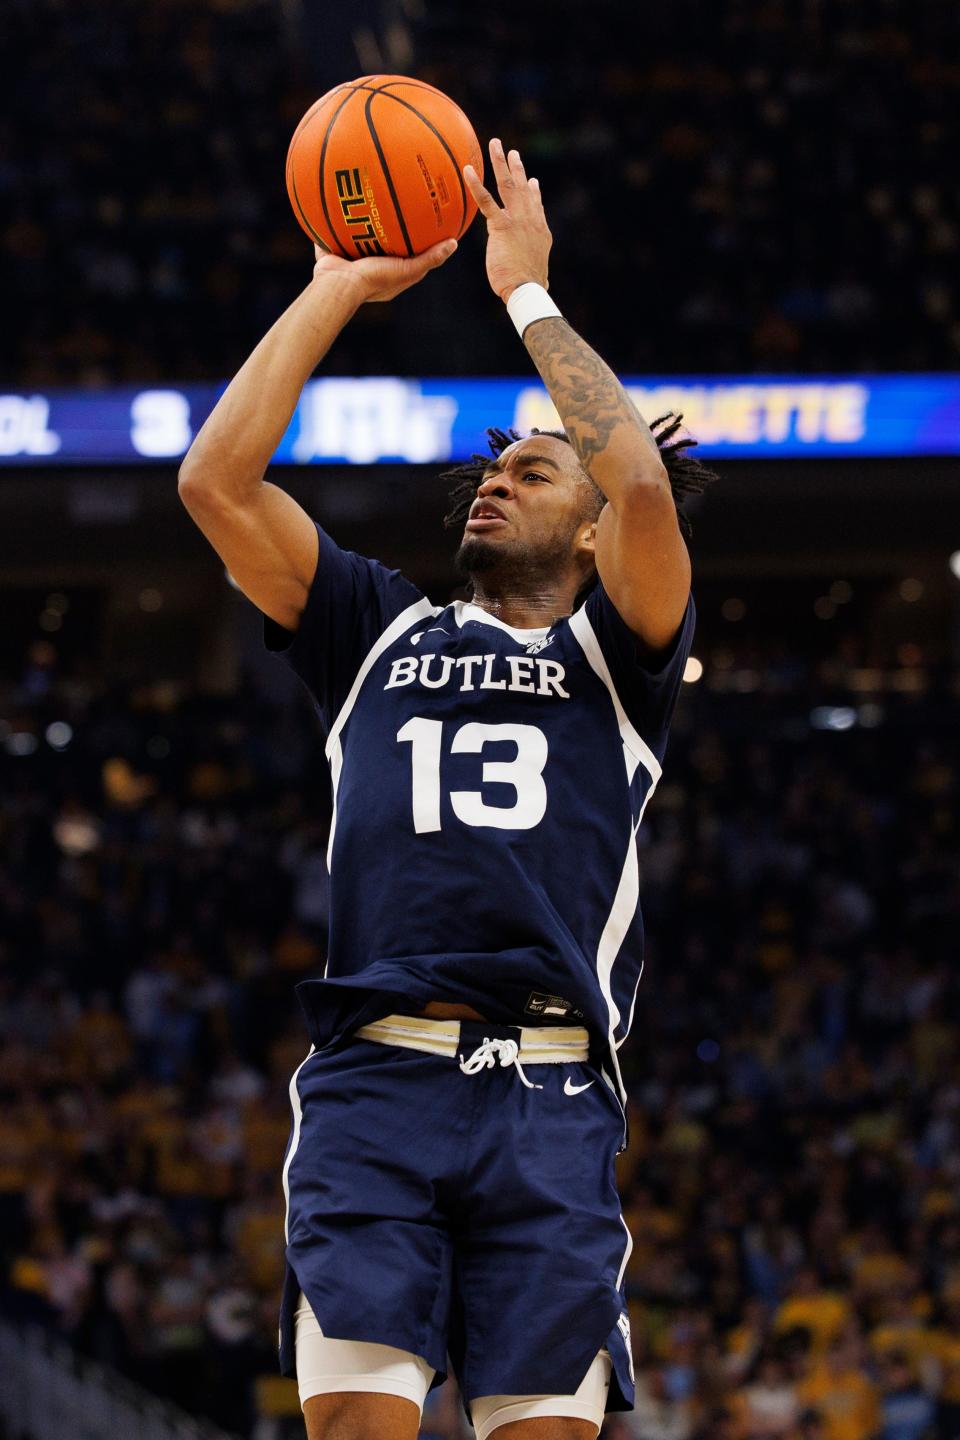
point(633, 1003)
point(294, 1141)
point(614, 933)
point(628, 1251)
point(335, 759)
point(463, 611)
point(420, 610)
point(618, 923)
point(586, 638)
point(635, 751)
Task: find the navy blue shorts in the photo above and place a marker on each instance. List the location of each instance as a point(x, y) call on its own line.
point(461, 1216)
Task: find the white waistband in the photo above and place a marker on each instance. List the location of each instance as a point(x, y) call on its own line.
point(536, 1045)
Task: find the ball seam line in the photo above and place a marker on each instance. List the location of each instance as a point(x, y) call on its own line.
point(386, 170)
point(430, 126)
point(323, 156)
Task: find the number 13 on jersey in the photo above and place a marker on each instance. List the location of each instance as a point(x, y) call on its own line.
point(524, 773)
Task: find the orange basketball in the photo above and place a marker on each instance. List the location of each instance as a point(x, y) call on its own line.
point(375, 168)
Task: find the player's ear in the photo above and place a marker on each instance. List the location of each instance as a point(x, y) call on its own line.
point(587, 538)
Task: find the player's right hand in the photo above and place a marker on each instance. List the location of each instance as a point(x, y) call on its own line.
point(381, 277)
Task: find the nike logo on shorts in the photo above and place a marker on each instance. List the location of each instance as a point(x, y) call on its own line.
point(570, 1089)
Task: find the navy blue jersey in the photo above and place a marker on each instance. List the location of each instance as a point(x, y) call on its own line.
point(488, 786)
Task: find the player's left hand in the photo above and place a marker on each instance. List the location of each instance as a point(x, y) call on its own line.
point(518, 236)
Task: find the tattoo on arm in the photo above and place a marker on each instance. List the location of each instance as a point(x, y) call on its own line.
point(593, 405)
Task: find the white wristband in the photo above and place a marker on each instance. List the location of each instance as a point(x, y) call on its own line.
point(530, 302)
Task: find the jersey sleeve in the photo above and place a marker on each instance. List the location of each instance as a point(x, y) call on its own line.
point(352, 602)
point(647, 685)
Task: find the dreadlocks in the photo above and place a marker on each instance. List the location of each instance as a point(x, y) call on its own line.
point(687, 476)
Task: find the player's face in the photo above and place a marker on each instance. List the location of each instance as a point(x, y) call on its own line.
point(531, 506)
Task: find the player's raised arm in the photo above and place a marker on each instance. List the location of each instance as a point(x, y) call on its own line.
point(265, 539)
point(641, 556)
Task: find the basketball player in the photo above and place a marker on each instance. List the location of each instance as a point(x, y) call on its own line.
point(450, 1176)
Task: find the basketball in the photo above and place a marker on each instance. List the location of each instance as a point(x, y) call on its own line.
point(375, 168)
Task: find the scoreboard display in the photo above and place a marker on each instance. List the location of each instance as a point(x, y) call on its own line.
point(386, 418)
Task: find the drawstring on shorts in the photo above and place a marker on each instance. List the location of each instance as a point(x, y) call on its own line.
point(533, 1045)
point(485, 1058)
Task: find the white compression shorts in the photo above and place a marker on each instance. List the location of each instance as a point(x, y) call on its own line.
point(327, 1366)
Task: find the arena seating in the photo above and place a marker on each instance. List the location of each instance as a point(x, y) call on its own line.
point(741, 187)
point(753, 186)
point(791, 1184)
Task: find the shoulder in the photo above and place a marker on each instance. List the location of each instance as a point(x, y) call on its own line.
point(355, 608)
point(600, 629)
point(347, 587)
point(644, 685)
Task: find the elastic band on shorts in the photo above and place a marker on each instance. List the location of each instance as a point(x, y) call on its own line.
point(536, 1044)
point(327, 1367)
point(489, 1412)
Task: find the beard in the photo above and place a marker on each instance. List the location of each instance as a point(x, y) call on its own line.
point(477, 556)
point(519, 565)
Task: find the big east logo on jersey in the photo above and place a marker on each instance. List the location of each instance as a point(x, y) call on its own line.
point(521, 674)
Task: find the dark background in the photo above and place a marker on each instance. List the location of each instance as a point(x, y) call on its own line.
point(751, 186)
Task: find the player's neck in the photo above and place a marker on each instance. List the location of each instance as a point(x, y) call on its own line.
point(527, 609)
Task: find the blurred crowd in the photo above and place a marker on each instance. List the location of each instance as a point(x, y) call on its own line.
point(792, 1181)
point(757, 185)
